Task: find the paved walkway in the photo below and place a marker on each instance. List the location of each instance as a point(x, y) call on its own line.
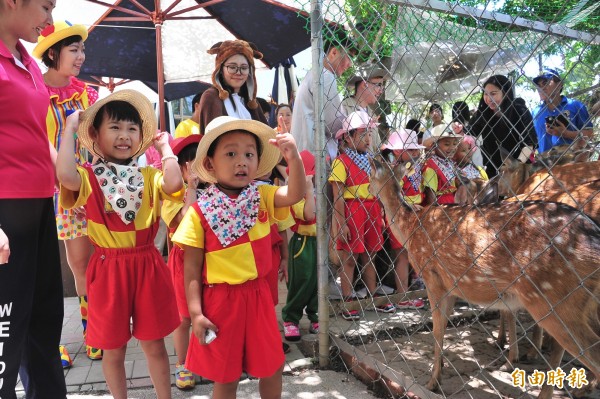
point(85, 379)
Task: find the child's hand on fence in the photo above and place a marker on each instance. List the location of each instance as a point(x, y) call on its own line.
point(199, 326)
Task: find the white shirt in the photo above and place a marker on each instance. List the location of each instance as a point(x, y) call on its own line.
point(303, 125)
point(240, 111)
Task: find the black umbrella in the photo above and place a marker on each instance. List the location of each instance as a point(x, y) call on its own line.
point(153, 42)
point(172, 91)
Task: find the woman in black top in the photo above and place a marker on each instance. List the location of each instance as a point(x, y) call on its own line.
point(503, 121)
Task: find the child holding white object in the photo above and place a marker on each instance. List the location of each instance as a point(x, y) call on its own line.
point(226, 237)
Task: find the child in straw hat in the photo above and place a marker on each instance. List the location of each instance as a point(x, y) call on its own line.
point(357, 223)
point(126, 278)
point(404, 145)
point(60, 47)
point(439, 171)
point(226, 237)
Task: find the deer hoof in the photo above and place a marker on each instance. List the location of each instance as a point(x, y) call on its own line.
point(433, 385)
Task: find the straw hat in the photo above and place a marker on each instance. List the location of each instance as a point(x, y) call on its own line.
point(223, 124)
point(54, 33)
point(440, 132)
point(356, 120)
point(138, 101)
point(402, 139)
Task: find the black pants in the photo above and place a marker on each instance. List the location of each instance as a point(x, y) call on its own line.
point(31, 301)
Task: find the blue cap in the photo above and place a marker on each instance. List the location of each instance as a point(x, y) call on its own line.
point(548, 74)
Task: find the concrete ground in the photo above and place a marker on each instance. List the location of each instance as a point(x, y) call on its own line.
point(301, 380)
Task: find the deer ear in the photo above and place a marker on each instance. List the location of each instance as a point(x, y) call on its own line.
point(488, 193)
point(399, 171)
point(504, 154)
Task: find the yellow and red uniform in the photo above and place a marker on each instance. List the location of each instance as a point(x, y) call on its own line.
point(412, 188)
point(439, 175)
point(363, 212)
point(236, 295)
point(126, 277)
point(170, 210)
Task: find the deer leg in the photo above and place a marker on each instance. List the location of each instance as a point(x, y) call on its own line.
point(536, 344)
point(440, 315)
point(513, 349)
point(513, 345)
point(555, 357)
point(501, 340)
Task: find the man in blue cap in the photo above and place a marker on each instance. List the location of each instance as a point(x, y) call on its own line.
point(558, 119)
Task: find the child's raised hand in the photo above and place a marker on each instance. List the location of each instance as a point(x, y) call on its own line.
point(199, 326)
point(283, 125)
point(287, 145)
point(72, 123)
point(160, 140)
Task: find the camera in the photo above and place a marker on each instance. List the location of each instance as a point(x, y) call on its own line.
point(551, 120)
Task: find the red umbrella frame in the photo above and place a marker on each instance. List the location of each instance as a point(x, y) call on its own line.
point(121, 46)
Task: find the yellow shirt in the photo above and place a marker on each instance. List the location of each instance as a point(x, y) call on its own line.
point(187, 128)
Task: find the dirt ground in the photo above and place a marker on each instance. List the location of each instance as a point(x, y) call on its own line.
point(472, 360)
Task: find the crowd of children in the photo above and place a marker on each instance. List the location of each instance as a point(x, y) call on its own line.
point(227, 222)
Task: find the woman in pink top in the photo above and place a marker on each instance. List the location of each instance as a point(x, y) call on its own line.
point(31, 303)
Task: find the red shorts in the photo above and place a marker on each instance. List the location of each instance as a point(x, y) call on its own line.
point(248, 338)
point(175, 264)
point(447, 198)
point(273, 276)
point(394, 243)
point(365, 221)
point(124, 284)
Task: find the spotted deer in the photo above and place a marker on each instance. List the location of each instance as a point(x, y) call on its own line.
point(537, 256)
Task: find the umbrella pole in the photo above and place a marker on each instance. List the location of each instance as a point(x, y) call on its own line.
point(160, 77)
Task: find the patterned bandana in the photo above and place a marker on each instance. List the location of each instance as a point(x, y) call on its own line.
point(446, 166)
point(230, 218)
point(123, 187)
point(470, 172)
point(361, 160)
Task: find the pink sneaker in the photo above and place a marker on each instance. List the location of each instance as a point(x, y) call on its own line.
point(314, 328)
point(411, 304)
point(291, 331)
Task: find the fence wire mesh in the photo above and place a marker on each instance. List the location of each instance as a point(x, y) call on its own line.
point(452, 87)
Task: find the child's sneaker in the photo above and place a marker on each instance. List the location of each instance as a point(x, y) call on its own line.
point(387, 308)
point(65, 358)
point(350, 314)
point(314, 328)
point(184, 379)
point(411, 304)
point(291, 331)
point(93, 353)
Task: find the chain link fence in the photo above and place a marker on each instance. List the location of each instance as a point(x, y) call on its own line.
point(422, 310)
